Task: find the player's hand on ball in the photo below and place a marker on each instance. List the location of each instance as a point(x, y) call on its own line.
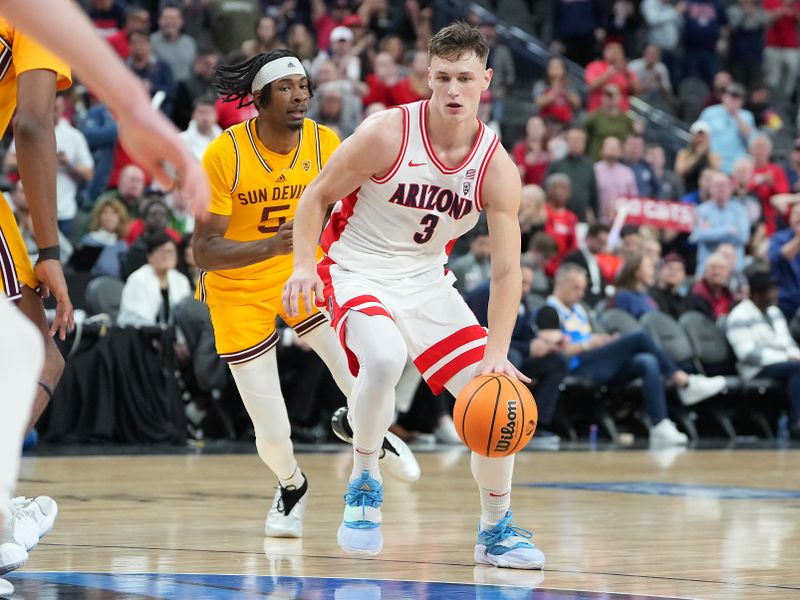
point(303, 283)
point(497, 366)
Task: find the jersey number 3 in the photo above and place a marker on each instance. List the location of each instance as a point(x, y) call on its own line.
point(428, 223)
point(265, 217)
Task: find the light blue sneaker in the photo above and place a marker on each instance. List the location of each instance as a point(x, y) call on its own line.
point(360, 531)
point(507, 546)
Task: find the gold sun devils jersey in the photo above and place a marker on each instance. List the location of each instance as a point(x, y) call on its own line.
point(259, 190)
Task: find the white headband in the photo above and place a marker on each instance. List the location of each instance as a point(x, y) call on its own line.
point(277, 69)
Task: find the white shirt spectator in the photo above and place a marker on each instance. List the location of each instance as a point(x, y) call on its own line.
point(646, 76)
point(196, 141)
point(141, 302)
point(664, 23)
point(73, 144)
point(758, 342)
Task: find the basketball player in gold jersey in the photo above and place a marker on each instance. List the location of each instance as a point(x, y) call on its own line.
point(29, 78)
point(257, 171)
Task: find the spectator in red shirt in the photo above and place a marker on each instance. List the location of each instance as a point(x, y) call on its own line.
point(415, 86)
point(530, 153)
point(612, 68)
point(554, 96)
point(155, 217)
point(711, 295)
point(325, 18)
point(781, 50)
point(381, 80)
point(561, 221)
point(768, 179)
point(135, 18)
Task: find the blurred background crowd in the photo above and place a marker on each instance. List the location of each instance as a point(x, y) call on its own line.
point(656, 143)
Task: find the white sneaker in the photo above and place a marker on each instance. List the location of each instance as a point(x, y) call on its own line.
point(42, 509)
point(6, 589)
point(701, 388)
point(396, 458)
point(22, 530)
point(666, 434)
point(360, 531)
point(446, 432)
point(282, 524)
point(12, 554)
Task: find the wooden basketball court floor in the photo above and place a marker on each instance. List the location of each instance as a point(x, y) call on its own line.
point(625, 524)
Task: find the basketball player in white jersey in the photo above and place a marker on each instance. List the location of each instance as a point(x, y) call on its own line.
point(147, 135)
point(421, 174)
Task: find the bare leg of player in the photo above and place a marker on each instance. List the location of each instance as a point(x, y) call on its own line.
point(396, 458)
point(499, 542)
point(31, 306)
point(21, 358)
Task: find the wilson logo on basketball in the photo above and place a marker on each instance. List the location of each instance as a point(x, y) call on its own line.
point(508, 430)
point(530, 428)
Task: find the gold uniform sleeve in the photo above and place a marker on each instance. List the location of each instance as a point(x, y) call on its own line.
point(328, 142)
point(219, 163)
point(30, 56)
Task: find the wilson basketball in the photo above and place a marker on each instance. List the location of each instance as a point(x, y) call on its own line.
point(495, 415)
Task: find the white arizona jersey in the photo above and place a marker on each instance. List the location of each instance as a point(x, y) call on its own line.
point(405, 222)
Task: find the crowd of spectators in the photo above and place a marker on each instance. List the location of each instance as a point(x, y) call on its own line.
point(729, 67)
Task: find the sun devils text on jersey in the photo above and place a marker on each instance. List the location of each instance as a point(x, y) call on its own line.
point(259, 190)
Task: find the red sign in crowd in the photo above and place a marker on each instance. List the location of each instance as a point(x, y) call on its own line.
point(663, 214)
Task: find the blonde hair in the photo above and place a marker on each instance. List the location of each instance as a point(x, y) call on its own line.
point(119, 208)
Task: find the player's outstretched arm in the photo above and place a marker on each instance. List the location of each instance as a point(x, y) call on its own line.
point(500, 193)
point(147, 135)
point(371, 150)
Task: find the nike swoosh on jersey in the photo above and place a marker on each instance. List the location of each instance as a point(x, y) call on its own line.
point(411, 163)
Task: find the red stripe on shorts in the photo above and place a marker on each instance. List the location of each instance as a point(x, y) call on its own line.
point(438, 380)
point(444, 347)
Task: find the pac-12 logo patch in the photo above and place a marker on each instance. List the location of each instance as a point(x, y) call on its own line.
point(306, 165)
point(466, 188)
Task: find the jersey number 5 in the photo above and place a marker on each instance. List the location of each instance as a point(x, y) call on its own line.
point(429, 223)
point(265, 218)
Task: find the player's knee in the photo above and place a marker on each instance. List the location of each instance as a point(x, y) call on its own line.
point(385, 367)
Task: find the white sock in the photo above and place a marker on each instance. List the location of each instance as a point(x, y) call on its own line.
point(296, 478)
point(259, 387)
point(493, 476)
point(21, 360)
point(366, 460)
point(494, 506)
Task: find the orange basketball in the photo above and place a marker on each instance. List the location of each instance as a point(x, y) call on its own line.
point(495, 415)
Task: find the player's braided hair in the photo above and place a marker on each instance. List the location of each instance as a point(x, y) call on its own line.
point(233, 82)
